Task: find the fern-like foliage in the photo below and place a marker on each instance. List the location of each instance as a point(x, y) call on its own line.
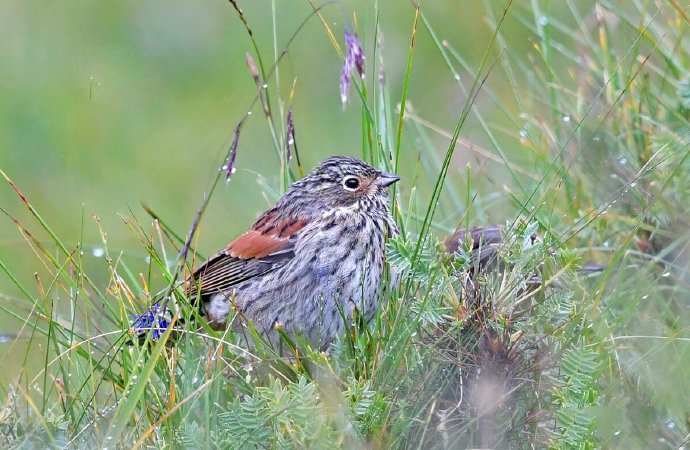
point(278, 416)
point(575, 391)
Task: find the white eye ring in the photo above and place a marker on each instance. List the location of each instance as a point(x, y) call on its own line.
point(351, 183)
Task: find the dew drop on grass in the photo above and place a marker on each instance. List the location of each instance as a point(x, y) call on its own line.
point(633, 184)
point(543, 21)
point(666, 274)
point(566, 119)
point(457, 77)
point(98, 252)
point(265, 86)
point(623, 160)
point(523, 134)
point(645, 297)
point(596, 138)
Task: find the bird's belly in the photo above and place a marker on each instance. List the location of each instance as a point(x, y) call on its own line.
point(316, 304)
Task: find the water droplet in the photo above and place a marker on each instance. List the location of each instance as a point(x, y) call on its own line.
point(147, 260)
point(249, 113)
point(264, 86)
point(98, 252)
point(234, 169)
point(645, 297)
point(633, 184)
point(623, 160)
point(523, 134)
point(543, 21)
point(596, 138)
point(566, 119)
point(224, 168)
point(666, 274)
point(457, 77)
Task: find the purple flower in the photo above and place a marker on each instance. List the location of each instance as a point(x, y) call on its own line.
point(354, 59)
point(153, 319)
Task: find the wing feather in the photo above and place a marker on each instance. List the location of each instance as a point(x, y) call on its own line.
point(268, 244)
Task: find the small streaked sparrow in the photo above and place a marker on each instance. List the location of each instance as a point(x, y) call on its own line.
point(319, 251)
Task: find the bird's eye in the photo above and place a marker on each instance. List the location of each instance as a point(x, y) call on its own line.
point(351, 183)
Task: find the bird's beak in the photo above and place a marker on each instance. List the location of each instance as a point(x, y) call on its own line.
point(385, 179)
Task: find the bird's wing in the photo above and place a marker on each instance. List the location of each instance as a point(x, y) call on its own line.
point(268, 244)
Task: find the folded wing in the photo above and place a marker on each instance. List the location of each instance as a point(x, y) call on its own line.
point(267, 245)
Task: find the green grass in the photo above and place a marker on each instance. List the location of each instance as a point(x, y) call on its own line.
point(588, 147)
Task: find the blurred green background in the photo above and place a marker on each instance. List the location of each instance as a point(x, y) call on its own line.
point(106, 105)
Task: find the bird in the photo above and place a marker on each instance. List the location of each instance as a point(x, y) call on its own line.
point(487, 244)
point(311, 260)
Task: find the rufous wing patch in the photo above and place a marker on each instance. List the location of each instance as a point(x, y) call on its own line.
point(267, 236)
